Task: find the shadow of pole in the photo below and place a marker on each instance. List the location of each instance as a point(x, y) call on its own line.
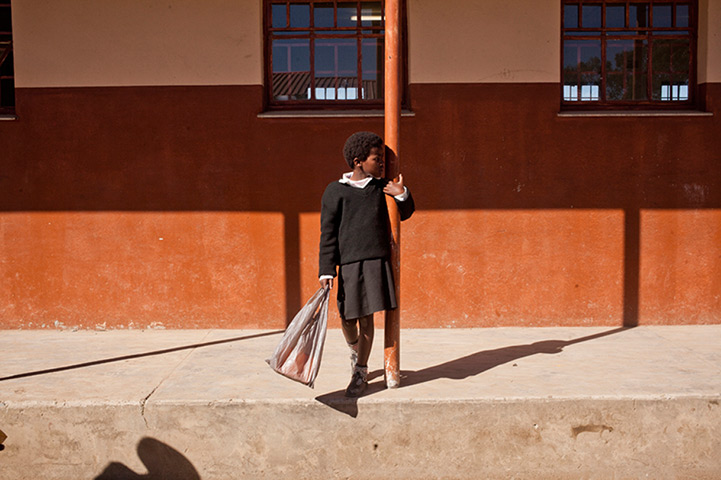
point(291, 229)
point(631, 265)
point(138, 355)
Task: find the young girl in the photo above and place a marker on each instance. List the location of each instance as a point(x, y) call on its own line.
point(355, 237)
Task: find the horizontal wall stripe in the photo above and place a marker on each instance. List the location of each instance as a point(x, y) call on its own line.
point(179, 206)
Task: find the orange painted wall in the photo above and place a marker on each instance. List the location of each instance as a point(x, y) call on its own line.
point(524, 217)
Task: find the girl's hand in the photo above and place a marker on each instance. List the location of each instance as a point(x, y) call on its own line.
point(393, 188)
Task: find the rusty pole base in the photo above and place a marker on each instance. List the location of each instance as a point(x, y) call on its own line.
point(391, 352)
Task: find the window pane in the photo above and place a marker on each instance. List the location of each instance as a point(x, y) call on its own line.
point(582, 70)
point(5, 19)
point(323, 15)
point(662, 16)
point(616, 16)
point(371, 14)
point(638, 15)
point(336, 69)
point(278, 14)
point(570, 16)
point(6, 68)
point(291, 69)
point(347, 14)
point(7, 93)
point(591, 16)
point(669, 88)
point(682, 15)
point(670, 69)
point(372, 64)
point(626, 69)
point(299, 15)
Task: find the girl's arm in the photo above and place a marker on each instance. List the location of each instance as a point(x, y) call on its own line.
point(406, 207)
point(328, 251)
point(392, 188)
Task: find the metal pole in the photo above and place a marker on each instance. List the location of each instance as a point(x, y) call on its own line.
point(392, 98)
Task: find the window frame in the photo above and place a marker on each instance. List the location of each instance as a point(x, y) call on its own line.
point(649, 34)
point(271, 104)
point(7, 56)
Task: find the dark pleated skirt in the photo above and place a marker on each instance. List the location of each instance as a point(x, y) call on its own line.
point(365, 287)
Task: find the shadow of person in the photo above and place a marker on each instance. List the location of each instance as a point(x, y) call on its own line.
point(479, 362)
point(338, 401)
point(459, 369)
point(162, 462)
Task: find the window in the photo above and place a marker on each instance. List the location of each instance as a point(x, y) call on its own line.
point(628, 54)
point(7, 75)
point(324, 54)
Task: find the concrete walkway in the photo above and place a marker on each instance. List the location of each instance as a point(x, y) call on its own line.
point(597, 402)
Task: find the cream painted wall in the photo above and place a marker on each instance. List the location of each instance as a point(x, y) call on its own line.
point(484, 41)
point(219, 42)
point(709, 41)
point(137, 42)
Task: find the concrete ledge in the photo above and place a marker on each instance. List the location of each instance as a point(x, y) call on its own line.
point(547, 403)
point(534, 439)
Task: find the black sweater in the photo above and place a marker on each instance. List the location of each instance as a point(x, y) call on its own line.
point(354, 224)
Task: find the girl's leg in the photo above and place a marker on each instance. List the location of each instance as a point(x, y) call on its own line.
point(358, 382)
point(350, 330)
point(365, 342)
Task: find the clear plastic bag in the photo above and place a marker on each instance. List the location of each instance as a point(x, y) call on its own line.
point(299, 352)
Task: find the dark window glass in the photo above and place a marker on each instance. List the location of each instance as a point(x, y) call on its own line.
point(591, 16)
point(682, 15)
point(7, 71)
point(7, 95)
point(372, 51)
point(671, 64)
point(626, 71)
point(323, 15)
point(347, 14)
point(5, 19)
point(662, 16)
point(299, 15)
point(279, 15)
point(372, 14)
point(638, 15)
point(570, 16)
point(615, 16)
point(582, 70)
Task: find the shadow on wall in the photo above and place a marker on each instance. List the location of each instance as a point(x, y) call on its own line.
point(490, 147)
point(162, 462)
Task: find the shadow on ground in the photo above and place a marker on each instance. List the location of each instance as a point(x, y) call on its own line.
point(162, 462)
point(136, 355)
point(458, 369)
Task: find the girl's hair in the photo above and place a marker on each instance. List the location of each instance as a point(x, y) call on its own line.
point(359, 146)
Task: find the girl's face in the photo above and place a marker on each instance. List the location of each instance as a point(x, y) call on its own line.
point(373, 165)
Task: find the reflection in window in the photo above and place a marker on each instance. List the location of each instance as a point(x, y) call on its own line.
point(323, 51)
point(627, 53)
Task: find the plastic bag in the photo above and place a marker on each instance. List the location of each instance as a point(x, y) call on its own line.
point(299, 352)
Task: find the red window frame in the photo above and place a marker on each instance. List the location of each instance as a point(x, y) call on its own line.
point(337, 89)
point(631, 62)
